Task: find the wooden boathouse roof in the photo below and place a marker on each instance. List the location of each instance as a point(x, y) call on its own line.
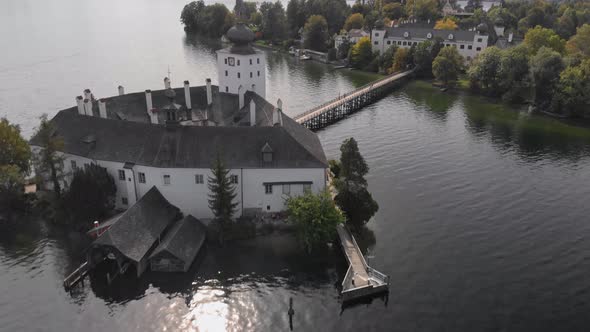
point(184, 240)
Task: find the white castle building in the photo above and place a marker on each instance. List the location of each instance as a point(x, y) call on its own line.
point(169, 139)
point(469, 43)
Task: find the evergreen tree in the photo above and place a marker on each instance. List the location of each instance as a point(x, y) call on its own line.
point(353, 198)
point(222, 195)
point(49, 161)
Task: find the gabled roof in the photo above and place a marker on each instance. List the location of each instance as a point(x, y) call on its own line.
point(422, 33)
point(138, 228)
point(184, 240)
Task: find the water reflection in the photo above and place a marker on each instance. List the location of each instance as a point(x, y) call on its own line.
point(437, 104)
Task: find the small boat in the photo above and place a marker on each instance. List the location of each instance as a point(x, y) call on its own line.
point(305, 57)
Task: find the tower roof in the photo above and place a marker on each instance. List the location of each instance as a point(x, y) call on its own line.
point(241, 37)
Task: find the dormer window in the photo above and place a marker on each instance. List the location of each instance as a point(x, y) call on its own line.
point(451, 36)
point(429, 35)
point(406, 34)
point(267, 154)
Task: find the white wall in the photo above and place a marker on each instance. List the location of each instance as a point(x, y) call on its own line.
point(232, 82)
point(192, 198)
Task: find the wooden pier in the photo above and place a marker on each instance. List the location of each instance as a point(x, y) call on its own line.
point(77, 276)
point(361, 280)
point(339, 108)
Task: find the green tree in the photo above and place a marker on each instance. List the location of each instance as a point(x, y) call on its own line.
point(354, 21)
point(447, 65)
point(545, 67)
point(274, 21)
point(424, 54)
point(514, 72)
point(316, 33)
point(15, 150)
point(422, 9)
point(353, 197)
point(580, 42)
point(566, 24)
point(343, 49)
point(295, 16)
point(485, 72)
point(91, 195)
point(334, 11)
point(49, 160)
point(393, 11)
point(386, 59)
point(543, 37)
point(190, 15)
point(222, 195)
point(11, 187)
point(401, 59)
point(315, 217)
point(573, 90)
point(361, 53)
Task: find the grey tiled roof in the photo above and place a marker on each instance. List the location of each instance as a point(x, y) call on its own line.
point(139, 227)
point(178, 146)
point(422, 33)
point(184, 240)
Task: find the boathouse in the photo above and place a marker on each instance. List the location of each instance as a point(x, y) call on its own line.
point(135, 235)
point(180, 246)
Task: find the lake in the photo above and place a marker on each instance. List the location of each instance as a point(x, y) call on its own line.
point(483, 223)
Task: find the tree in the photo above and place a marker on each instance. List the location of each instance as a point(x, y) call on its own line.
point(543, 37)
point(361, 53)
point(316, 33)
point(567, 23)
point(315, 217)
point(386, 59)
point(422, 9)
point(295, 16)
point(514, 72)
point(545, 68)
point(424, 54)
point(393, 11)
point(91, 195)
point(334, 11)
point(353, 197)
point(245, 11)
point(580, 42)
point(49, 160)
point(401, 59)
point(446, 24)
point(212, 20)
point(274, 21)
point(190, 15)
point(354, 21)
point(447, 65)
point(573, 90)
point(485, 71)
point(11, 187)
point(221, 198)
point(15, 150)
point(343, 49)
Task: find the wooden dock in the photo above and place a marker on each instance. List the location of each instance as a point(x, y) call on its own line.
point(339, 108)
point(361, 280)
point(77, 276)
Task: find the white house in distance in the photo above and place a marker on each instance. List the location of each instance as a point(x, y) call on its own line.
point(353, 36)
point(169, 138)
point(469, 43)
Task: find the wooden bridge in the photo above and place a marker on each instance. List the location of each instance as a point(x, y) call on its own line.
point(361, 280)
point(339, 108)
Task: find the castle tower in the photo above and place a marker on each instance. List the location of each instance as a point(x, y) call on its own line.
point(240, 64)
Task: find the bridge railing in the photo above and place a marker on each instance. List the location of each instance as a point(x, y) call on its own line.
point(365, 86)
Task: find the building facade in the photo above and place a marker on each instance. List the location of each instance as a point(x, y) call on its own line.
point(468, 43)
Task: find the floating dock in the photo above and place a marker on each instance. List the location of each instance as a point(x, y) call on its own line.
point(361, 280)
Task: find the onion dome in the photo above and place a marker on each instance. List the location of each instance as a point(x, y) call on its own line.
point(239, 34)
point(482, 28)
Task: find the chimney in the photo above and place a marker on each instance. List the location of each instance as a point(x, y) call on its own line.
point(166, 83)
point(209, 94)
point(148, 101)
point(87, 94)
point(102, 108)
point(280, 112)
point(187, 94)
point(80, 102)
point(254, 88)
point(88, 107)
point(241, 92)
point(121, 90)
point(252, 113)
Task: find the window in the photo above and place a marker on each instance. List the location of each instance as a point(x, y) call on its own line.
point(306, 187)
point(286, 189)
point(238, 62)
point(258, 73)
point(478, 49)
point(226, 73)
point(121, 175)
point(250, 74)
point(233, 179)
point(404, 43)
point(226, 89)
point(479, 40)
point(376, 42)
point(166, 180)
point(124, 200)
point(141, 177)
point(399, 42)
point(462, 47)
point(238, 75)
point(250, 61)
point(469, 47)
point(268, 189)
point(258, 60)
point(74, 166)
point(267, 157)
point(389, 42)
point(199, 179)
point(225, 61)
point(376, 34)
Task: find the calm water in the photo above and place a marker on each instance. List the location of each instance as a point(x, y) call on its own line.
point(483, 223)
